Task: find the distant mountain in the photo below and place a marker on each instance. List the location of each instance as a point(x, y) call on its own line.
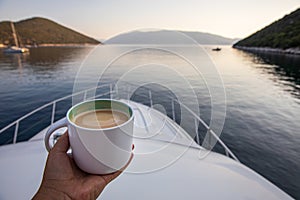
point(169, 37)
point(281, 34)
point(38, 31)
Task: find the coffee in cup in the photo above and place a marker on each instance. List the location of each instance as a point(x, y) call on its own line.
point(100, 134)
point(100, 119)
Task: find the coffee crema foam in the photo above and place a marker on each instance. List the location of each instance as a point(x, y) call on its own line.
point(97, 119)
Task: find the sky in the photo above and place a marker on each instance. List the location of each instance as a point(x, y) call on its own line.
point(103, 19)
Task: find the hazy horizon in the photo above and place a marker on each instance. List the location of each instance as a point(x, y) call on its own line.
point(104, 20)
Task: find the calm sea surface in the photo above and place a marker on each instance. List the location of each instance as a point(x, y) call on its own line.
point(262, 124)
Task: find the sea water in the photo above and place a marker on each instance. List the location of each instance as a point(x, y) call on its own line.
point(261, 94)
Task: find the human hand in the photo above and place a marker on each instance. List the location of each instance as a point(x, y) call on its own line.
point(64, 180)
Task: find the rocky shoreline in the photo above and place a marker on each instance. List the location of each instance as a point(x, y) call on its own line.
point(295, 51)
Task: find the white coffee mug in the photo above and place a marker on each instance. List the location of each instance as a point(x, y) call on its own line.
point(102, 150)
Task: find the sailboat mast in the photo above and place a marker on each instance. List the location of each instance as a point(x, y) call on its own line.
point(14, 33)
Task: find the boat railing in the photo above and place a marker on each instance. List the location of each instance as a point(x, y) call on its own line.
point(53, 112)
point(53, 104)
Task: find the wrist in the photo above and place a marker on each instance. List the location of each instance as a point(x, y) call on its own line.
point(48, 193)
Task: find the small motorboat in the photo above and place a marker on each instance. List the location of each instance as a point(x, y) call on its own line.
point(216, 49)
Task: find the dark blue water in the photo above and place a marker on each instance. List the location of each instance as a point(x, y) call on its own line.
point(262, 95)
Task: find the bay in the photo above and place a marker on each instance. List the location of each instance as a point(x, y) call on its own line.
point(262, 93)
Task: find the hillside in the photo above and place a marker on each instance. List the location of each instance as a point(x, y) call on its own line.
point(168, 37)
point(38, 31)
point(282, 34)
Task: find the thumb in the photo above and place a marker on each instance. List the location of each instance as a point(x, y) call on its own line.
point(62, 145)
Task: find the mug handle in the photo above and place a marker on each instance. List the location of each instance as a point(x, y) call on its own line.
point(59, 124)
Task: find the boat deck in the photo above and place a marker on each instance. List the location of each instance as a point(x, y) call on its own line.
point(166, 165)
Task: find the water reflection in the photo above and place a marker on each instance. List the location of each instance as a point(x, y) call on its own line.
point(31, 80)
point(12, 61)
point(55, 55)
point(43, 58)
point(284, 68)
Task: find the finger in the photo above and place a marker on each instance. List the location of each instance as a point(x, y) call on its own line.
point(62, 145)
point(109, 177)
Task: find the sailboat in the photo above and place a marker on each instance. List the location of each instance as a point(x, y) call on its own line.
point(17, 48)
